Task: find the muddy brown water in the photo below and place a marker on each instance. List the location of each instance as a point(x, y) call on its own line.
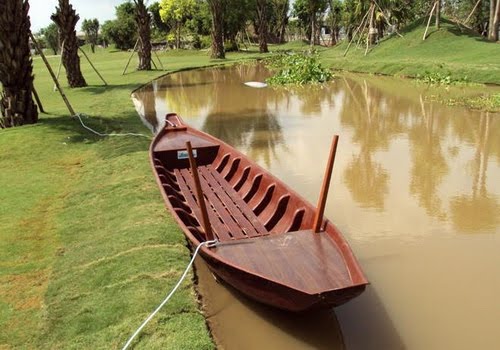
point(415, 190)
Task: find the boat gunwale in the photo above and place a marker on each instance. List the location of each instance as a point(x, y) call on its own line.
point(356, 275)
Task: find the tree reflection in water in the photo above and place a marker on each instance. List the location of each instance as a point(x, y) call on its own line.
point(382, 116)
point(429, 165)
point(478, 211)
point(373, 124)
point(251, 126)
point(144, 100)
point(255, 132)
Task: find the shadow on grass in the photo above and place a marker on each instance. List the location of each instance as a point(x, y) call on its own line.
point(99, 89)
point(108, 146)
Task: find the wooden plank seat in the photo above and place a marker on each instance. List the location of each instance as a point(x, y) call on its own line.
point(230, 217)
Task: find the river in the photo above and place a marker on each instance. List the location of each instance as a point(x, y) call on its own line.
point(415, 191)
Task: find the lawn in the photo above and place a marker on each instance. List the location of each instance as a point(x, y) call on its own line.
point(451, 51)
point(87, 248)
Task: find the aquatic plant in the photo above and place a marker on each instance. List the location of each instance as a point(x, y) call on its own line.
point(297, 69)
point(440, 78)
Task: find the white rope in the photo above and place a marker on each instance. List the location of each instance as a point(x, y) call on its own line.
point(209, 244)
point(78, 115)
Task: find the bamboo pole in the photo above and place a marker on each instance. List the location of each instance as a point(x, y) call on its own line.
point(368, 37)
point(157, 57)
point(386, 20)
point(88, 59)
point(355, 32)
point(318, 219)
point(472, 12)
point(37, 98)
point(429, 21)
point(199, 194)
point(154, 64)
point(361, 32)
point(130, 58)
point(70, 109)
point(60, 63)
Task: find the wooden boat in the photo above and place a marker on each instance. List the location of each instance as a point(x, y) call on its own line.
point(267, 246)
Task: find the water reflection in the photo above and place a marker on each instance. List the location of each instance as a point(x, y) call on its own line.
point(145, 103)
point(484, 206)
point(413, 180)
point(257, 132)
point(429, 164)
point(365, 111)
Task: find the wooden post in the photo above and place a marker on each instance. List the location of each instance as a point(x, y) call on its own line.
point(369, 36)
point(361, 32)
point(318, 219)
point(158, 58)
point(355, 32)
point(154, 64)
point(133, 51)
point(199, 194)
point(429, 21)
point(70, 109)
point(88, 59)
point(60, 64)
point(37, 98)
point(472, 12)
point(386, 20)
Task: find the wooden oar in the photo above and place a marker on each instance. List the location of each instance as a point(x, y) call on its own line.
point(199, 194)
point(318, 219)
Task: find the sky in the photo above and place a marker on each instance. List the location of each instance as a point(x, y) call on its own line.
point(40, 11)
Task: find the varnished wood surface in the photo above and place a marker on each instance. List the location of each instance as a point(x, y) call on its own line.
point(176, 140)
point(303, 260)
point(230, 218)
point(267, 248)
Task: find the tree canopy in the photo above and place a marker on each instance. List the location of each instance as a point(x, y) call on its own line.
point(123, 30)
point(51, 37)
point(91, 29)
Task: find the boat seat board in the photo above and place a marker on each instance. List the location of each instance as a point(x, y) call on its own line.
point(229, 215)
point(177, 141)
point(303, 260)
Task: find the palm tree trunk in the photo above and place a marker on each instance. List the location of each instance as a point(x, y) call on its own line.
point(494, 20)
point(283, 20)
point(313, 29)
point(263, 28)
point(217, 11)
point(438, 14)
point(66, 19)
point(144, 26)
point(16, 67)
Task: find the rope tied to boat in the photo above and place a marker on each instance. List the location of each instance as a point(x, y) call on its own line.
point(208, 244)
point(79, 116)
point(170, 123)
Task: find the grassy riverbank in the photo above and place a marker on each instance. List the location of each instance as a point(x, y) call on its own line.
point(87, 249)
point(452, 51)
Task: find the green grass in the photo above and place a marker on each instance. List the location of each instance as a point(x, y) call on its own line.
point(452, 51)
point(87, 248)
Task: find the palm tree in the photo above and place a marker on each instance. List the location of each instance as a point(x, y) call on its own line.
point(217, 12)
point(262, 20)
point(66, 19)
point(16, 68)
point(144, 27)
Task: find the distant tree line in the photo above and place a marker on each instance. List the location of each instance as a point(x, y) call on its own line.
point(198, 23)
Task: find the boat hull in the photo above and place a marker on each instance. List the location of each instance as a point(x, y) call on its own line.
point(277, 295)
point(266, 246)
